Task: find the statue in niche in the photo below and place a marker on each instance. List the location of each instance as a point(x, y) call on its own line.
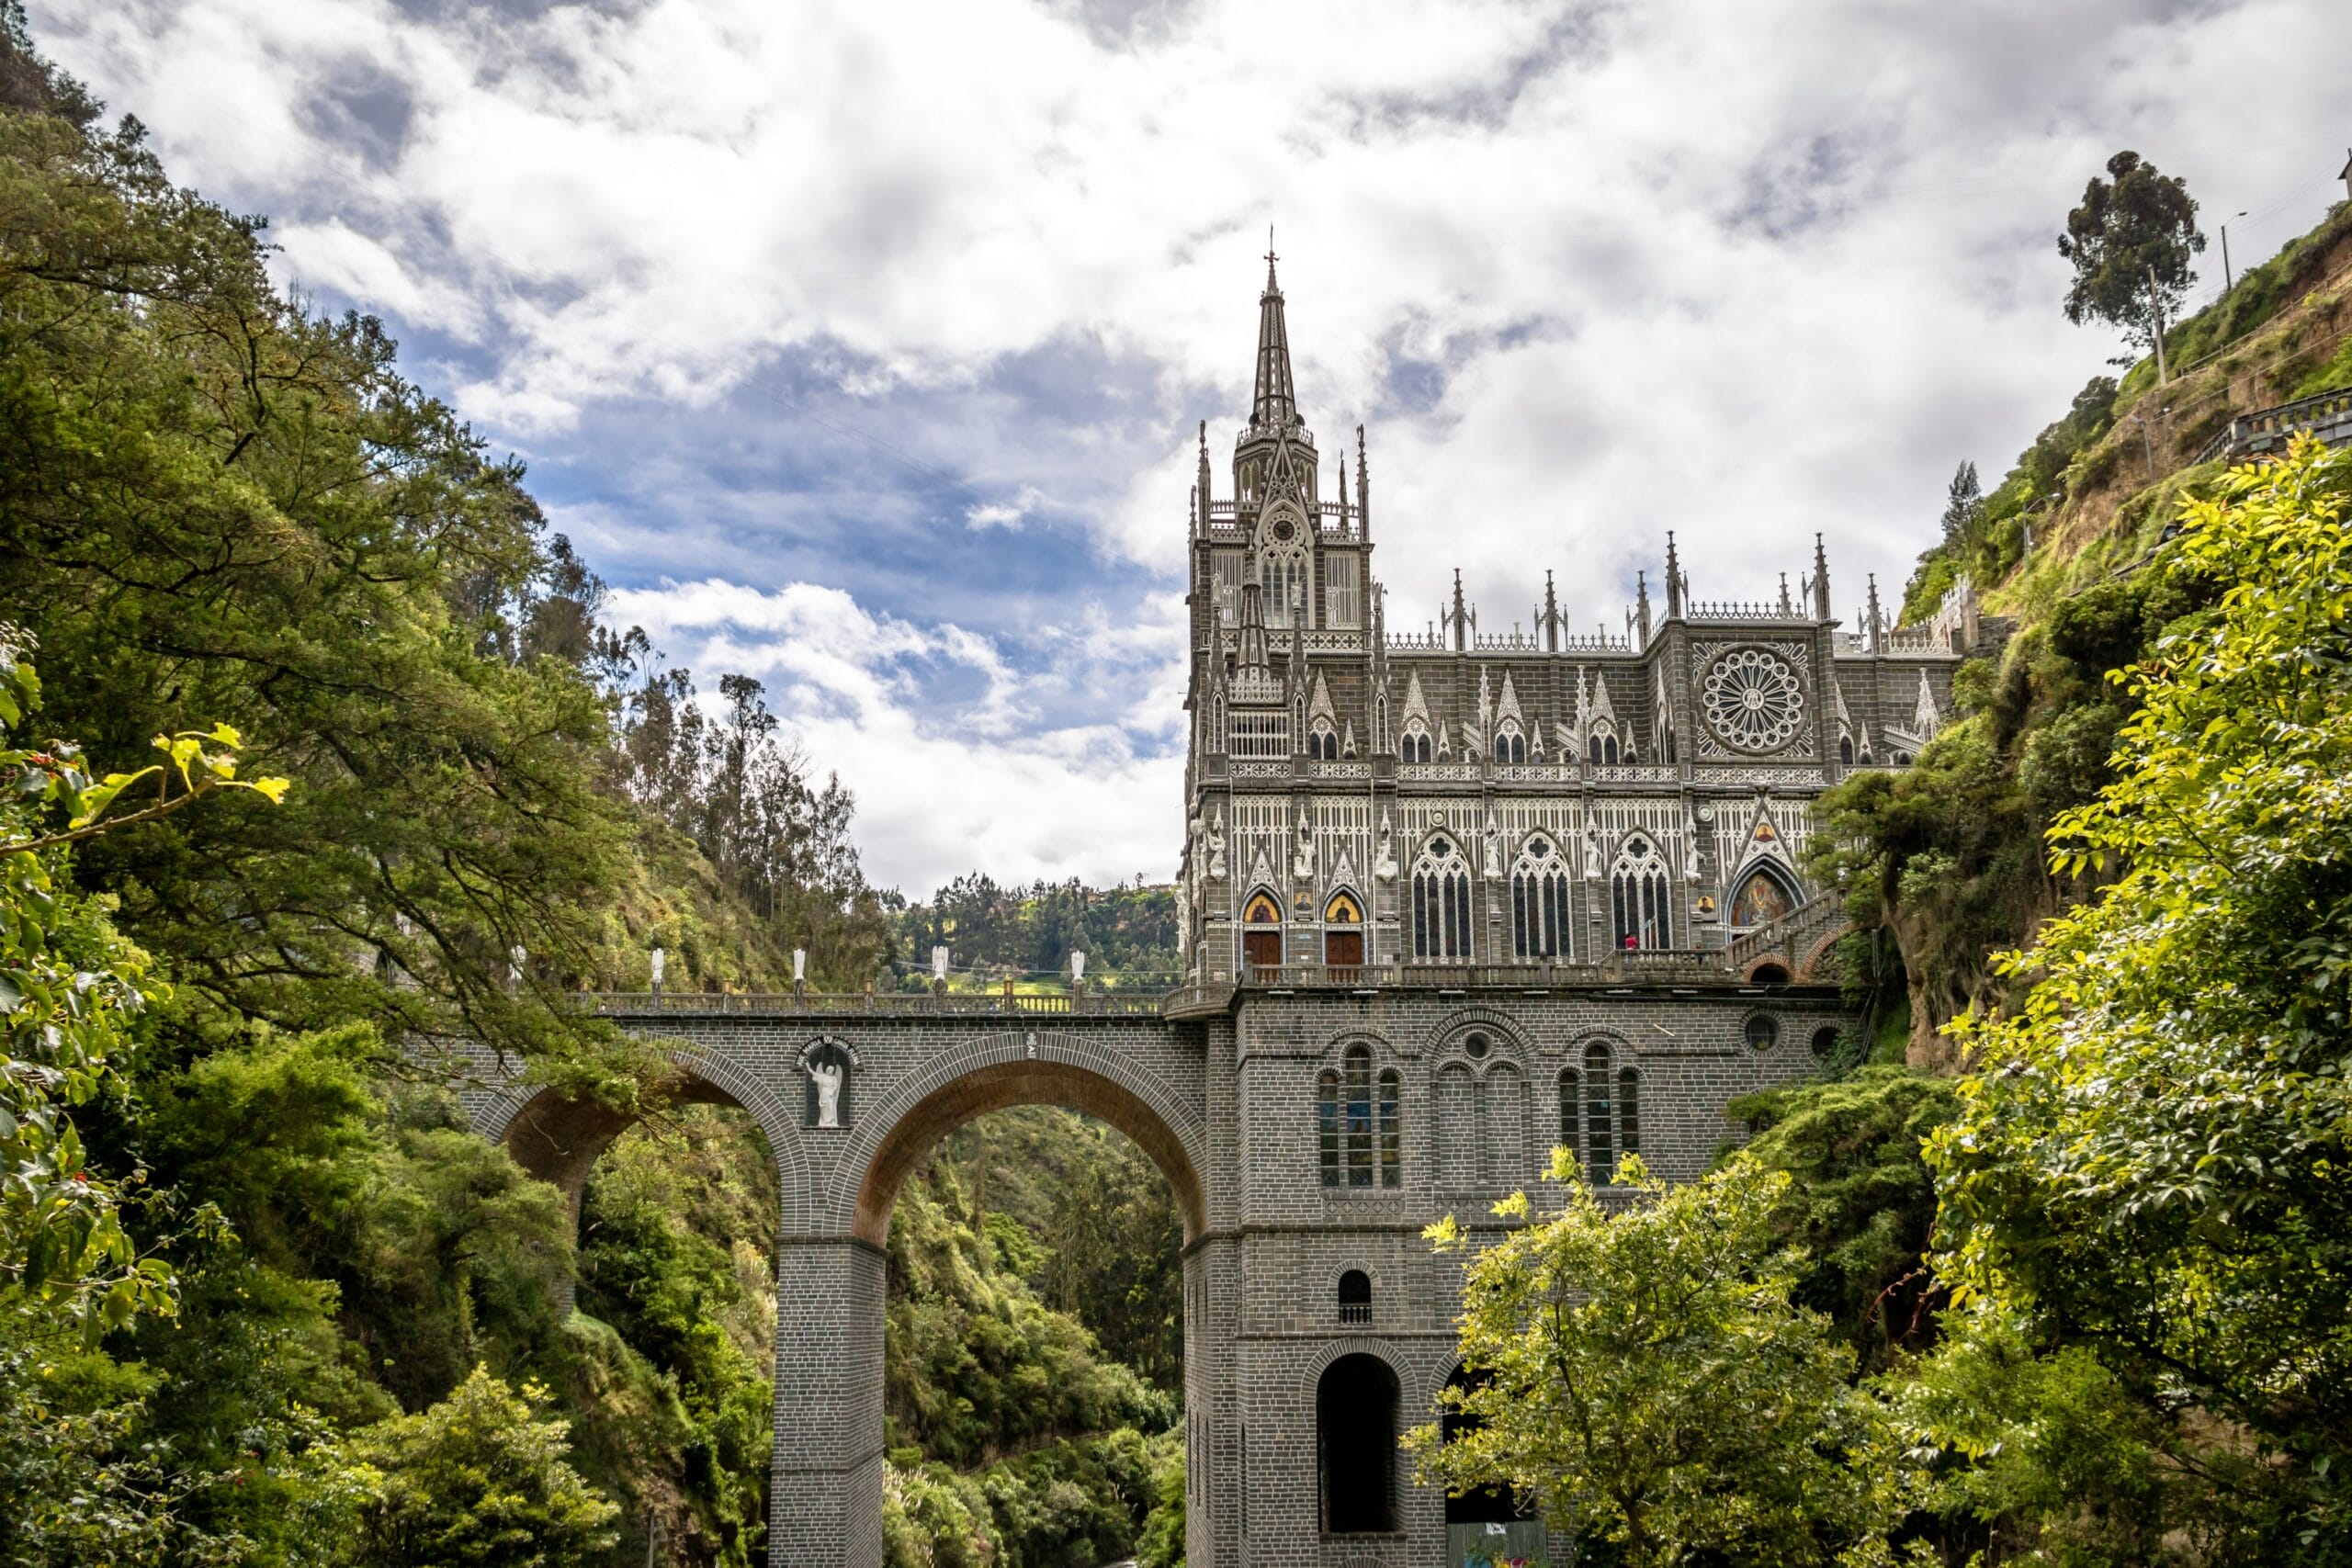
point(1303, 864)
point(828, 1069)
point(1494, 848)
point(1383, 863)
point(1216, 843)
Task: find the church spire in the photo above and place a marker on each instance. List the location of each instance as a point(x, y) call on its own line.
point(1273, 404)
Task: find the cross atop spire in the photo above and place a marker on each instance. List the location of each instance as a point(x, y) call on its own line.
point(1274, 403)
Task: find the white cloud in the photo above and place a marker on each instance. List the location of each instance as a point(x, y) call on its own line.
point(1590, 272)
point(943, 786)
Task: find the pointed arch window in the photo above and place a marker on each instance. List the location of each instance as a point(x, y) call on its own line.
point(1600, 745)
point(1845, 749)
point(1414, 745)
point(1323, 742)
point(1281, 577)
point(1440, 896)
point(1511, 746)
point(1638, 897)
point(1358, 1140)
point(1539, 901)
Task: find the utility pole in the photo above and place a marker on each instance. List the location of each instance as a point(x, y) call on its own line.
point(2229, 282)
point(2156, 309)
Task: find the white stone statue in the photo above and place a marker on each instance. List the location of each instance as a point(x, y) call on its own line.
point(1302, 863)
point(1494, 848)
point(1384, 861)
point(1217, 844)
point(828, 1076)
point(660, 964)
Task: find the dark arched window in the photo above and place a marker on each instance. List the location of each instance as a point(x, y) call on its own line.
point(1571, 1108)
point(1511, 746)
point(1539, 902)
point(1356, 1297)
point(1355, 1446)
point(1629, 1111)
point(1638, 897)
point(1484, 1504)
point(1845, 749)
point(1599, 1123)
point(1441, 895)
point(1359, 1143)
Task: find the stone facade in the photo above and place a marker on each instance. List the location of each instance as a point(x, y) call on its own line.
point(1410, 871)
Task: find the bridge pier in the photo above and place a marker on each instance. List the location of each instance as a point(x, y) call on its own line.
point(825, 1492)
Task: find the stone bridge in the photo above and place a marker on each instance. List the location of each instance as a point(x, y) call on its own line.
point(1240, 1095)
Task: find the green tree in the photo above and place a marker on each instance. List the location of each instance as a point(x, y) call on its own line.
point(1642, 1374)
point(477, 1480)
point(1963, 504)
point(2139, 223)
point(1860, 1202)
point(2154, 1159)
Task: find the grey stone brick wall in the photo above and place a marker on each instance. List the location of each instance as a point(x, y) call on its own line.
point(1228, 1107)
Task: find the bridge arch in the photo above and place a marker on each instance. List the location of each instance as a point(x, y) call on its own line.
point(558, 1137)
point(998, 1071)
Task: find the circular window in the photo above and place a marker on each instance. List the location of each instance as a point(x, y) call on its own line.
point(1824, 1040)
point(1762, 1029)
point(1476, 1046)
point(1753, 700)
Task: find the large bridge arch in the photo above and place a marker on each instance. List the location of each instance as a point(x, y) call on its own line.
point(994, 1072)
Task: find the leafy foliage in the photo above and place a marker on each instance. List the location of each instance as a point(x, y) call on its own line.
point(1860, 1202)
point(1127, 932)
point(478, 1478)
point(1644, 1372)
point(2153, 1159)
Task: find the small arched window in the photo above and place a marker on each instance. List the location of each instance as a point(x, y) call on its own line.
point(1356, 1297)
point(1629, 1111)
point(1414, 745)
point(1599, 1118)
point(1359, 1141)
point(1323, 742)
point(1441, 895)
point(1571, 1108)
point(1511, 746)
point(1600, 745)
point(1845, 749)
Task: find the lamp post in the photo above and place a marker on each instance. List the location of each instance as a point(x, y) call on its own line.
point(939, 971)
point(2229, 281)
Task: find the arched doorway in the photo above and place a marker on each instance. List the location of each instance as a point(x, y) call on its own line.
point(1344, 932)
point(1261, 931)
point(1355, 1446)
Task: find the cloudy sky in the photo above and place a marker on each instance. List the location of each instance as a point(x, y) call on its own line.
point(861, 345)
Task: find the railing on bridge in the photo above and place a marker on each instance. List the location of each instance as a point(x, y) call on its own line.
point(959, 1004)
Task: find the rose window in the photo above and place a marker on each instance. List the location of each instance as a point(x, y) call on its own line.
point(1753, 700)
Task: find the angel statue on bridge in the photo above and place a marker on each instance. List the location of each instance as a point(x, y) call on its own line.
point(827, 1076)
